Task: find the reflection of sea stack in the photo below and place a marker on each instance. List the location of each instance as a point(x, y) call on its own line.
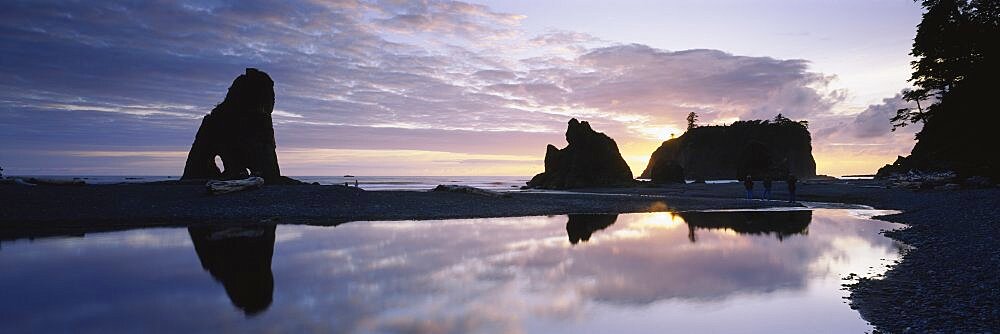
point(782, 223)
point(591, 159)
point(239, 258)
point(581, 226)
point(240, 133)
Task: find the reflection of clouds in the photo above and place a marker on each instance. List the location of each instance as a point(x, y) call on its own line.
point(476, 275)
point(640, 259)
point(473, 317)
point(146, 238)
point(647, 260)
point(651, 224)
point(856, 243)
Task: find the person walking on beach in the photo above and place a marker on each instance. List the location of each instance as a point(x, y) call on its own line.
point(767, 188)
point(791, 188)
point(748, 184)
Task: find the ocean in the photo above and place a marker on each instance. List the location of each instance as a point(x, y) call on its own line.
point(414, 183)
point(411, 183)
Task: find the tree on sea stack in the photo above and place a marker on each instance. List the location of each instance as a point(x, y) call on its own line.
point(692, 120)
point(777, 147)
point(955, 71)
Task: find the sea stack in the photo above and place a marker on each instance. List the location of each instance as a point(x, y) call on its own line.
point(591, 159)
point(240, 133)
point(758, 148)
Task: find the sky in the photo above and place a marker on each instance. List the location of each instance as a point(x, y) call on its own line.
point(444, 87)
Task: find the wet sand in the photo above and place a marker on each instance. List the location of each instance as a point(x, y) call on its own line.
point(950, 281)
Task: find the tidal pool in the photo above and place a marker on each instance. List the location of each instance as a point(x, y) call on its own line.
point(691, 272)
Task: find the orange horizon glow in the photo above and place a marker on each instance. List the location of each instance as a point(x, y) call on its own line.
point(333, 162)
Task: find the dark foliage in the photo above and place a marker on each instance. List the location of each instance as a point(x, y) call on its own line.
point(692, 120)
point(756, 147)
point(957, 67)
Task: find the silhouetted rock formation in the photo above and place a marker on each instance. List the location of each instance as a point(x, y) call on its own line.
point(955, 68)
point(591, 159)
point(958, 140)
point(581, 226)
point(239, 258)
point(667, 172)
point(239, 131)
point(782, 223)
point(732, 152)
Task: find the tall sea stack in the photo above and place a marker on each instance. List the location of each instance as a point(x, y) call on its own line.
point(240, 133)
point(756, 148)
point(591, 159)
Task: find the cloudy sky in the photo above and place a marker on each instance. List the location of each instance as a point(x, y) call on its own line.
point(443, 87)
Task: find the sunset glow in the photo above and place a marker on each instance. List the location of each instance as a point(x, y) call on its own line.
point(445, 88)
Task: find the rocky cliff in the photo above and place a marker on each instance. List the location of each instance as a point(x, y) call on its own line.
point(958, 137)
point(591, 159)
point(734, 151)
point(240, 133)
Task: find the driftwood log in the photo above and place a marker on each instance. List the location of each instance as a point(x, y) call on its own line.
point(921, 180)
point(216, 187)
point(24, 183)
point(470, 190)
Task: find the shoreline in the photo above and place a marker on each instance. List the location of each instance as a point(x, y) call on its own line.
point(53, 210)
point(947, 281)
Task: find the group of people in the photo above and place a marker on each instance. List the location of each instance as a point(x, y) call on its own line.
point(766, 194)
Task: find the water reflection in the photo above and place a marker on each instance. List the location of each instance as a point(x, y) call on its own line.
point(780, 223)
point(625, 273)
point(581, 226)
point(239, 258)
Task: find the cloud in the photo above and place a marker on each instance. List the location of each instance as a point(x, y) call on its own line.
point(870, 127)
point(640, 88)
point(874, 121)
point(563, 37)
point(861, 143)
point(568, 42)
point(448, 17)
point(641, 79)
point(381, 75)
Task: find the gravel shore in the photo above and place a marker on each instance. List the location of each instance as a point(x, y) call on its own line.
point(948, 283)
